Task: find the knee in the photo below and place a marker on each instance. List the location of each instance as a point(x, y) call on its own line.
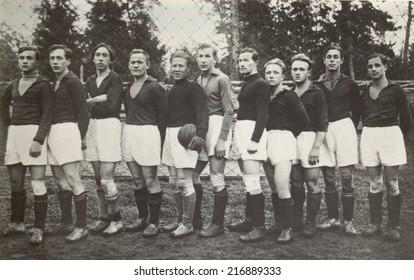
point(138, 181)
point(392, 187)
point(17, 184)
point(252, 183)
point(110, 189)
point(313, 186)
point(375, 184)
point(196, 177)
point(283, 191)
point(185, 186)
point(217, 180)
point(152, 184)
point(329, 176)
point(296, 182)
point(63, 185)
point(39, 187)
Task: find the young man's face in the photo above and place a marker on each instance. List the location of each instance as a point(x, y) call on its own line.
point(247, 65)
point(376, 69)
point(27, 61)
point(300, 71)
point(205, 59)
point(273, 74)
point(102, 59)
point(58, 61)
point(333, 60)
point(179, 68)
point(138, 65)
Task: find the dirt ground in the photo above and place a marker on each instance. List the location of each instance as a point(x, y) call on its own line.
point(326, 245)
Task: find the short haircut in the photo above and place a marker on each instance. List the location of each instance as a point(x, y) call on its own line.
point(304, 58)
point(204, 46)
point(106, 46)
point(68, 52)
point(140, 51)
point(183, 53)
point(384, 58)
point(30, 48)
point(278, 62)
point(335, 47)
point(255, 54)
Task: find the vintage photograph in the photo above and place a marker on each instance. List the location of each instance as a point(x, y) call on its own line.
point(206, 130)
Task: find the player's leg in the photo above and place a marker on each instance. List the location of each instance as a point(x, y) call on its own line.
point(140, 195)
point(286, 205)
point(40, 202)
point(154, 197)
point(251, 178)
point(348, 198)
point(178, 198)
point(393, 202)
point(18, 199)
point(375, 201)
point(64, 193)
point(103, 216)
point(185, 185)
point(331, 199)
point(217, 166)
point(269, 170)
point(107, 172)
point(72, 174)
point(298, 195)
point(198, 187)
point(313, 203)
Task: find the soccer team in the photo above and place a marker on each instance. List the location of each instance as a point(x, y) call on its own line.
point(294, 133)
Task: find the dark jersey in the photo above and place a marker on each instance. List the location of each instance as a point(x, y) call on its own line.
point(254, 97)
point(149, 107)
point(112, 87)
point(71, 104)
point(286, 112)
point(314, 101)
point(187, 103)
point(389, 108)
point(343, 99)
point(34, 107)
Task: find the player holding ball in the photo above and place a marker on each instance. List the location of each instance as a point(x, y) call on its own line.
point(186, 104)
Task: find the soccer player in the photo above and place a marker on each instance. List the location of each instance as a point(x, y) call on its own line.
point(343, 100)
point(187, 103)
point(144, 131)
point(103, 139)
point(32, 98)
point(249, 144)
point(217, 87)
point(286, 111)
point(386, 119)
point(312, 153)
point(65, 142)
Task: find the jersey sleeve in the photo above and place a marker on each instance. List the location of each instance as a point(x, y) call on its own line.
point(403, 109)
point(5, 102)
point(227, 103)
point(321, 111)
point(262, 99)
point(79, 100)
point(47, 106)
point(199, 101)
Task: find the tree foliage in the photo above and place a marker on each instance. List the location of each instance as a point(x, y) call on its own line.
point(57, 19)
point(125, 25)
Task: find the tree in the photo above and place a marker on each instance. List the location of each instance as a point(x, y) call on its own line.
point(10, 42)
point(57, 26)
point(130, 26)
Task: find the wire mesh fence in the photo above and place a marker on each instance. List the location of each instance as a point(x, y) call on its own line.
point(275, 28)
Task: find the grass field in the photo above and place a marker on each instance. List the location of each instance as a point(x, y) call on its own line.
point(326, 245)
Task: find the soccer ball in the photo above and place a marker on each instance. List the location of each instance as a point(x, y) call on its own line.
point(185, 134)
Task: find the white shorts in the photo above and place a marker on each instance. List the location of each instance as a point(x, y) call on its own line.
point(142, 144)
point(382, 145)
point(215, 123)
point(243, 131)
point(19, 141)
point(342, 142)
point(305, 142)
point(64, 144)
point(173, 154)
point(103, 140)
point(281, 146)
